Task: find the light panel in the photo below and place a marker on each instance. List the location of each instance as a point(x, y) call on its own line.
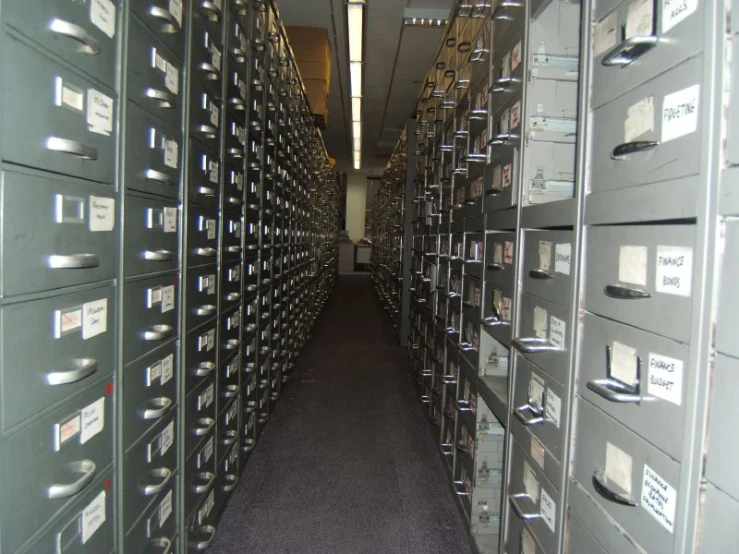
point(355, 16)
point(355, 76)
point(357, 129)
point(356, 109)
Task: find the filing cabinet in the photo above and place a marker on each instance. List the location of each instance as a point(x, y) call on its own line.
point(151, 231)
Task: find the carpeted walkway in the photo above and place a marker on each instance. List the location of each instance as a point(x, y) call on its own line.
point(347, 464)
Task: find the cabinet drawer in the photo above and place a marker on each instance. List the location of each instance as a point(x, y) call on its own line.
point(547, 265)
point(158, 525)
point(728, 308)
point(150, 236)
point(200, 414)
point(206, 59)
point(201, 295)
point(235, 137)
point(233, 187)
point(497, 312)
point(200, 356)
point(579, 539)
point(53, 349)
point(502, 188)
point(231, 283)
point(202, 235)
point(200, 474)
point(228, 423)
point(69, 240)
point(232, 234)
point(205, 116)
point(204, 184)
point(500, 257)
point(229, 335)
point(166, 19)
point(228, 476)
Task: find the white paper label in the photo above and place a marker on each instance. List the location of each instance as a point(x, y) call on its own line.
point(93, 516)
point(545, 255)
point(172, 79)
point(640, 19)
point(639, 119)
point(153, 373)
point(93, 420)
point(159, 62)
point(214, 114)
point(175, 8)
point(548, 510)
point(212, 228)
point(168, 299)
point(554, 408)
point(659, 499)
point(102, 15)
point(94, 318)
point(498, 253)
point(675, 11)
point(665, 378)
point(167, 438)
point(167, 369)
point(171, 153)
point(680, 113)
point(211, 284)
point(536, 391)
point(102, 214)
point(619, 467)
point(623, 363)
point(516, 56)
point(632, 265)
point(73, 99)
point(557, 332)
point(99, 112)
point(537, 452)
point(674, 270)
point(165, 508)
point(211, 339)
point(530, 483)
point(170, 220)
point(540, 322)
point(605, 35)
point(562, 258)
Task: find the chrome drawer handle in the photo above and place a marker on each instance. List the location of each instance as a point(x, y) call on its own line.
point(73, 261)
point(540, 274)
point(262, 418)
point(230, 482)
point(159, 177)
point(251, 328)
point(201, 546)
point(161, 544)
point(466, 347)
point(503, 138)
point(628, 51)
point(493, 192)
point(66, 146)
point(212, 8)
point(515, 502)
point(82, 368)
point(632, 148)
point(204, 369)
point(231, 391)
point(529, 415)
point(229, 438)
point(503, 85)
point(207, 309)
point(599, 484)
point(235, 153)
point(171, 26)
point(166, 99)
point(207, 426)
point(459, 488)
point(496, 267)
point(204, 482)
point(622, 292)
point(208, 131)
point(463, 406)
point(613, 391)
point(211, 71)
point(163, 404)
point(533, 345)
point(207, 191)
point(158, 332)
point(492, 322)
point(248, 446)
point(231, 344)
point(449, 380)
point(158, 255)
point(239, 55)
point(427, 373)
point(233, 249)
point(65, 28)
point(233, 200)
point(240, 7)
point(207, 252)
point(164, 474)
point(233, 296)
point(87, 470)
point(237, 104)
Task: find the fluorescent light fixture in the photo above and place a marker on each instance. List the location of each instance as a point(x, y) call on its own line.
point(355, 32)
point(355, 75)
point(425, 17)
point(357, 129)
point(357, 144)
point(357, 160)
point(355, 17)
point(356, 109)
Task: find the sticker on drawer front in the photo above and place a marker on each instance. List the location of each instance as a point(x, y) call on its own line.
point(211, 341)
point(659, 498)
point(632, 265)
point(562, 258)
point(665, 378)
point(680, 113)
point(674, 270)
point(102, 214)
point(215, 113)
point(170, 220)
point(167, 369)
point(545, 255)
point(99, 112)
point(153, 373)
point(93, 517)
point(619, 466)
point(624, 361)
point(68, 430)
point(211, 226)
point(507, 171)
point(93, 420)
point(640, 19)
point(175, 8)
point(516, 56)
point(508, 252)
point(171, 153)
point(553, 410)
point(516, 115)
point(538, 454)
point(67, 321)
point(528, 544)
point(102, 15)
point(540, 322)
point(548, 510)
point(168, 299)
point(70, 96)
point(166, 439)
point(675, 11)
point(205, 510)
point(557, 332)
point(639, 119)
point(172, 79)
point(165, 508)
point(605, 34)
point(94, 318)
point(530, 483)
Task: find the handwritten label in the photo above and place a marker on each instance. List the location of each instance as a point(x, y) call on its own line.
point(93, 420)
point(639, 119)
point(165, 508)
point(553, 410)
point(516, 56)
point(640, 19)
point(674, 270)
point(665, 378)
point(102, 15)
point(102, 214)
point(175, 8)
point(215, 113)
point(680, 113)
point(170, 220)
point(540, 322)
point(93, 517)
point(562, 258)
point(153, 373)
point(545, 255)
point(168, 299)
point(99, 112)
point(619, 467)
point(557, 332)
point(676, 11)
point(172, 79)
point(94, 318)
point(171, 153)
point(659, 499)
point(548, 510)
point(632, 265)
point(508, 252)
point(167, 369)
point(537, 452)
point(166, 439)
point(605, 34)
point(623, 363)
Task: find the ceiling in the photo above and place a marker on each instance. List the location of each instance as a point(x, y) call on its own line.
point(396, 60)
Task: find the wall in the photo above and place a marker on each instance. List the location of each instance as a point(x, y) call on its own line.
point(356, 198)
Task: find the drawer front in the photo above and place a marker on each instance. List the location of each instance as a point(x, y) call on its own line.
point(233, 191)
point(201, 295)
point(680, 37)
point(202, 235)
point(200, 355)
point(200, 414)
point(637, 378)
point(228, 475)
point(149, 469)
point(73, 32)
point(76, 349)
point(207, 48)
point(236, 88)
point(158, 525)
point(151, 235)
point(231, 275)
point(547, 265)
point(204, 184)
point(635, 482)
point(151, 315)
point(621, 161)
point(253, 191)
point(235, 136)
point(228, 425)
point(205, 116)
point(149, 391)
point(579, 538)
point(201, 525)
point(228, 383)
point(520, 539)
point(722, 448)
point(497, 312)
point(166, 19)
point(152, 153)
point(72, 131)
point(50, 464)
point(728, 308)
point(642, 276)
point(500, 257)
point(502, 190)
point(71, 240)
point(232, 235)
point(229, 336)
point(200, 474)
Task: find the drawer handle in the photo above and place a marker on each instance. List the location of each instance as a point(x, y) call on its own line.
point(233, 200)
point(599, 484)
point(73, 261)
point(540, 274)
point(207, 309)
point(449, 380)
point(158, 332)
point(459, 488)
point(207, 426)
point(65, 28)
point(249, 445)
point(633, 147)
point(493, 192)
point(466, 347)
point(262, 418)
point(233, 249)
point(159, 177)
point(166, 99)
point(233, 296)
point(158, 255)
point(207, 252)
point(205, 544)
point(628, 51)
point(493, 321)
point(204, 369)
point(239, 55)
point(207, 191)
point(230, 437)
point(251, 328)
point(240, 7)
point(446, 449)
point(171, 26)
point(613, 391)
point(230, 482)
point(237, 104)
point(66, 146)
point(163, 404)
point(463, 406)
point(529, 415)
point(164, 474)
point(203, 482)
point(231, 391)
point(161, 544)
point(211, 71)
point(231, 344)
point(500, 13)
point(86, 469)
point(496, 267)
point(515, 502)
point(503, 85)
point(235, 153)
point(83, 368)
point(622, 292)
point(208, 131)
point(533, 345)
point(503, 138)
point(427, 373)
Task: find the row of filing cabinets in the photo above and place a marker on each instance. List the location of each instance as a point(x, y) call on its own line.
point(155, 300)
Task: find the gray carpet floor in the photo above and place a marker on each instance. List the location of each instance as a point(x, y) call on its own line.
point(347, 464)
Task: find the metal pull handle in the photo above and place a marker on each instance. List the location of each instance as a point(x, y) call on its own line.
point(540, 274)
point(496, 267)
point(231, 391)
point(81, 369)
point(503, 85)
point(204, 369)
point(503, 138)
point(599, 484)
point(251, 327)
point(170, 26)
point(207, 426)
point(158, 332)
point(200, 546)
point(164, 475)
point(633, 147)
point(158, 255)
point(207, 309)
point(529, 415)
point(86, 469)
point(166, 99)
point(237, 104)
point(466, 347)
point(239, 54)
point(212, 9)
point(73, 147)
point(211, 71)
point(614, 391)
point(207, 252)
point(533, 345)
point(207, 191)
point(233, 296)
point(204, 482)
point(235, 153)
point(230, 482)
point(231, 344)
point(492, 322)
point(160, 544)
point(622, 292)
point(230, 437)
point(233, 249)
point(515, 502)
point(159, 177)
point(449, 380)
point(262, 418)
point(240, 7)
point(628, 51)
point(459, 488)
point(233, 200)
point(73, 261)
point(463, 406)
point(162, 406)
point(208, 131)
point(90, 46)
